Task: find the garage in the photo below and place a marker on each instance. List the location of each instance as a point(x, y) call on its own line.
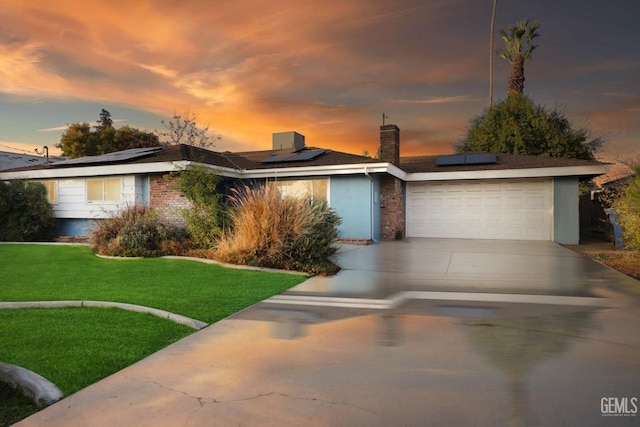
point(481, 209)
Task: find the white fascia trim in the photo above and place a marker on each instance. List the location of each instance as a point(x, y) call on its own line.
point(510, 173)
point(317, 170)
point(106, 170)
point(139, 168)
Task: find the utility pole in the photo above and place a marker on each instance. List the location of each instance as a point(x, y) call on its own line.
point(491, 53)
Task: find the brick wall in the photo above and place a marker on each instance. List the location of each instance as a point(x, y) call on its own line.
point(391, 208)
point(391, 197)
point(167, 199)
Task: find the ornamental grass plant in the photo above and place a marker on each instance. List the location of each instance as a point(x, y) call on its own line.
point(270, 230)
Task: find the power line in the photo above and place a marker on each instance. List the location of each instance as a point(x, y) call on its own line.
point(17, 149)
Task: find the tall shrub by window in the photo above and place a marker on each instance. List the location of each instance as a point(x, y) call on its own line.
point(52, 189)
point(25, 211)
point(206, 216)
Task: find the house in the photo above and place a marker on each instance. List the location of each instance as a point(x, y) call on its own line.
point(480, 195)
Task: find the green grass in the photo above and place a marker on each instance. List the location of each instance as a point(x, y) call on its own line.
point(201, 291)
point(14, 406)
point(75, 347)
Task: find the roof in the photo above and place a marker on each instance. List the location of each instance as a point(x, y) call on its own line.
point(619, 175)
point(326, 158)
point(15, 160)
point(241, 160)
point(421, 164)
point(309, 161)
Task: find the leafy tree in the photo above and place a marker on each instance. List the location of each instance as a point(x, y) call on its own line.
point(519, 37)
point(518, 126)
point(183, 129)
point(25, 211)
point(105, 121)
point(79, 140)
point(127, 137)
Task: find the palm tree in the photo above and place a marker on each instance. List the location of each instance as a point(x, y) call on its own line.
point(514, 41)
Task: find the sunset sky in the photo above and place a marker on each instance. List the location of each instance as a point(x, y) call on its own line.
point(327, 69)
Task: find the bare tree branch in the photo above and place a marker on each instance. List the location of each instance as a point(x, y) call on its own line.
point(183, 129)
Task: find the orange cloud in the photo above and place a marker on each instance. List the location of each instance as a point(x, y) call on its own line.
point(249, 70)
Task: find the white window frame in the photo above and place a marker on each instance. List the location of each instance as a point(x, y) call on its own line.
point(103, 180)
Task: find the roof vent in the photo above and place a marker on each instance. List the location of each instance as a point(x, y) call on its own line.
point(283, 140)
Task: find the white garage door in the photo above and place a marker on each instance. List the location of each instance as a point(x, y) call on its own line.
point(493, 209)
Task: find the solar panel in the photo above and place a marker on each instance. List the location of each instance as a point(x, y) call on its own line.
point(450, 160)
point(481, 159)
point(306, 155)
point(298, 156)
point(117, 156)
point(276, 159)
point(466, 159)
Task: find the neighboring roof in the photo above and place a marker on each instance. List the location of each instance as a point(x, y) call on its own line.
point(420, 164)
point(618, 176)
point(15, 160)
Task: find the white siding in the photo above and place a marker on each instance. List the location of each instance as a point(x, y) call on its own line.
point(72, 198)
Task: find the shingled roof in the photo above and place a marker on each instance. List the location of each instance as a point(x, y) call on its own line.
point(248, 160)
point(421, 164)
point(255, 160)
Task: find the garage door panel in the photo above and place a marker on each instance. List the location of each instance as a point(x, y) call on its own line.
point(473, 201)
point(514, 202)
point(493, 201)
point(497, 209)
point(537, 202)
point(437, 188)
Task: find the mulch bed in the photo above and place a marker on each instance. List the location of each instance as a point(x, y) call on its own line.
point(624, 260)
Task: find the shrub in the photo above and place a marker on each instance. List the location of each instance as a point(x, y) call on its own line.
point(206, 217)
point(628, 209)
point(279, 232)
point(25, 212)
point(136, 232)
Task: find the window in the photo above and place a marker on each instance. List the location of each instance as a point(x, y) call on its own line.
point(317, 189)
point(104, 190)
point(52, 189)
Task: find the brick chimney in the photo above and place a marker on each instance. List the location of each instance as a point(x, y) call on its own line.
point(392, 220)
point(390, 144)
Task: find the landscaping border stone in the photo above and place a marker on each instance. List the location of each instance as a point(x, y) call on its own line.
point(42, 391)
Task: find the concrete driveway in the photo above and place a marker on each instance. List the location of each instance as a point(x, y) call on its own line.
point(416, 332)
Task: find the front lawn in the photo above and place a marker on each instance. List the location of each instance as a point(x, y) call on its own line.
point(204, 292)
point(75, 347)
